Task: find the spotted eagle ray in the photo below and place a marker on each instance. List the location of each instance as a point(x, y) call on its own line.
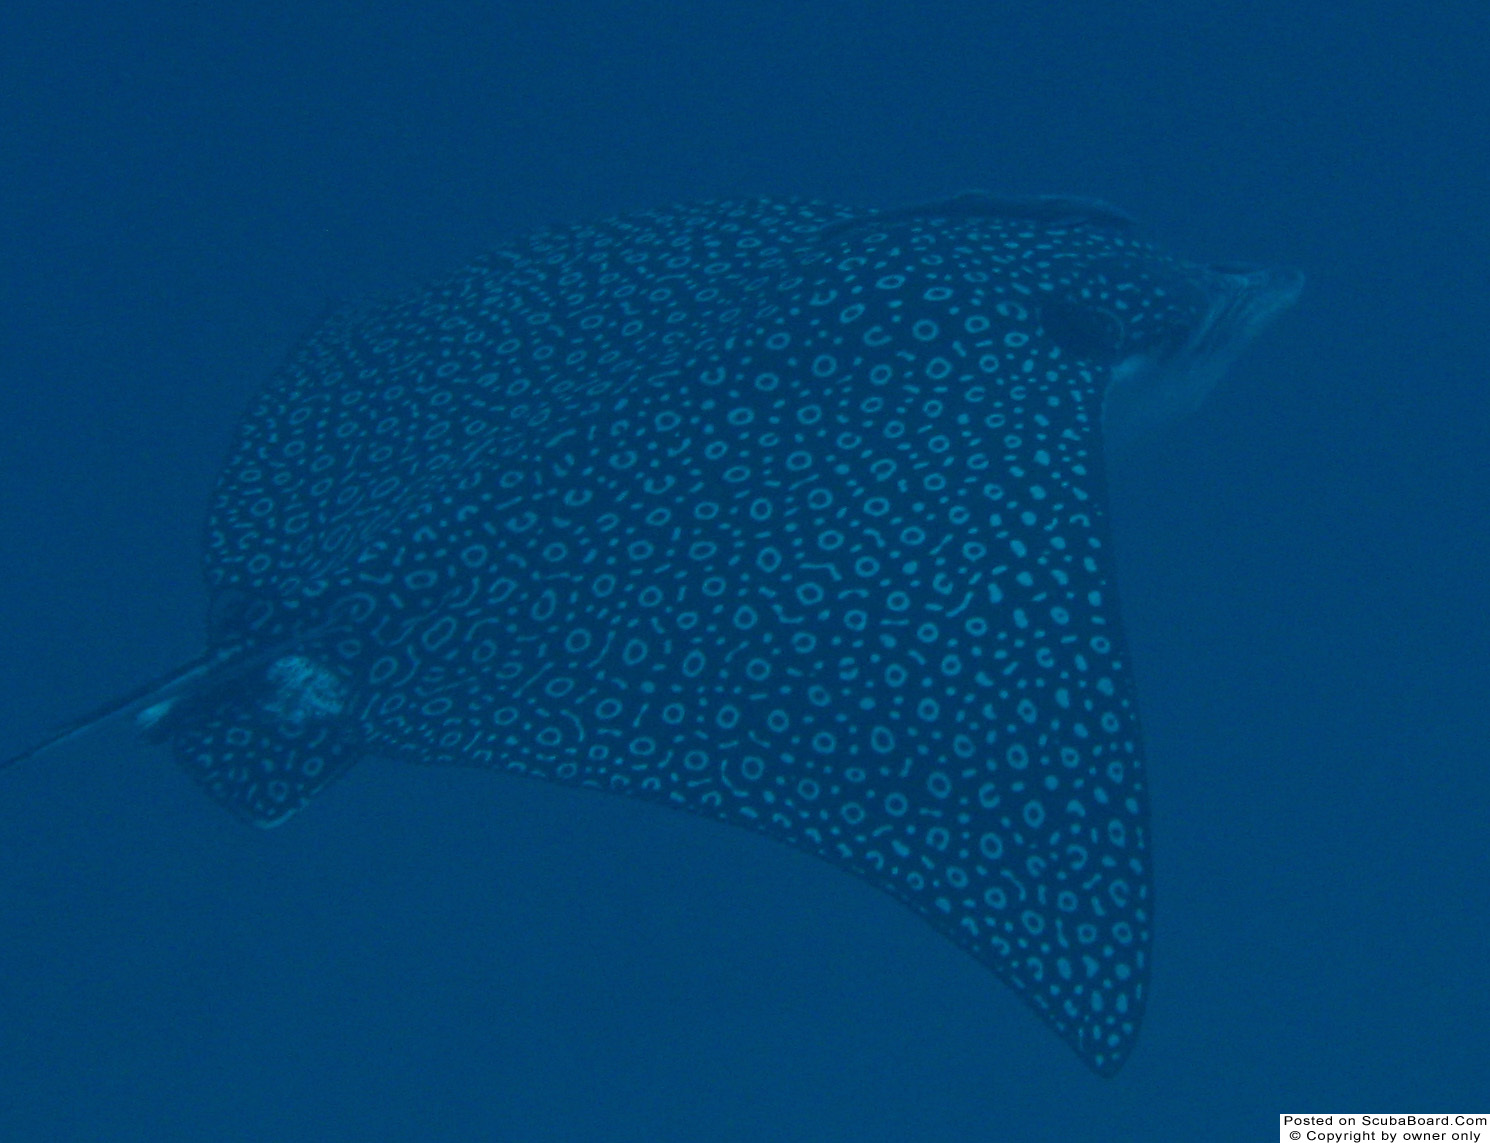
point(788, 514)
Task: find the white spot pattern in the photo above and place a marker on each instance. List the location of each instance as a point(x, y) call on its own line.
point(801, 531)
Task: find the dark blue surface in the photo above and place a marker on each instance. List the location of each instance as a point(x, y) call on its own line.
point(443, 954)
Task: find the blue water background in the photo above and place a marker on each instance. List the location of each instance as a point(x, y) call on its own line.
point(441, 954)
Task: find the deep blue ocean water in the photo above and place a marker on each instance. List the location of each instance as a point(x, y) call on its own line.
point(440, 954)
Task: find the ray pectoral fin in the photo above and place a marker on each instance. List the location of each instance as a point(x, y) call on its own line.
point(841, 577)
point(866, 610)
point(992, 775)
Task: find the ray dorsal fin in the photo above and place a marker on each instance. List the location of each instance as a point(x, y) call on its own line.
point(153, 702)
point(259, 728)
point(141, 701)
point(1051, 211)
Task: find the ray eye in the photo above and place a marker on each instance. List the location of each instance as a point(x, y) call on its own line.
point(1084, 331)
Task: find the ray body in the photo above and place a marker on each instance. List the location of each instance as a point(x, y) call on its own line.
point(786, 514)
